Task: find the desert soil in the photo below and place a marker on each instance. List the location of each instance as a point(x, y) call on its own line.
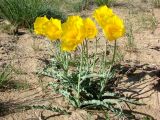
point(27, 54)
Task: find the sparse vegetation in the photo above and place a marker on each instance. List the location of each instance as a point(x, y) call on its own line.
point(79, 67)
point(130, 36)
point(104, 2)
point(148, 22)
point(7, 84)
point(23, 12)
point(156, 3)
point(5, 76)
point(20, 85)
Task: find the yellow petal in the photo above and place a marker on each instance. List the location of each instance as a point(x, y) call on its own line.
point(52, 29)
point(114, 28)
point(73, 33)
point(90, 28)
point(38, 25)
point(101, 14)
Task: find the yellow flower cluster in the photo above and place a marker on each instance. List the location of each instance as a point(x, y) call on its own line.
point(75, 30)
point(112, 25)
point(71, 33)
point(49, 28)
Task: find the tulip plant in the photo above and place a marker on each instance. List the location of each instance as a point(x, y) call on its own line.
point(83, 77)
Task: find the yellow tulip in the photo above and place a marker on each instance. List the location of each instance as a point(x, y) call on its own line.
point(52, 29)
point(76, 21)
point(90, 28)
point(73, 33)
point(101, 14)
point(68, 45)
point(114, 28)
point(38, 25)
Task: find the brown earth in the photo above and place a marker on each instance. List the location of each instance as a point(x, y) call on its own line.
point(27, 54)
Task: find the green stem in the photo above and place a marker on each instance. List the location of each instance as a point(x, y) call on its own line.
point(105, 57)
point(110, 68)
point(66, 62)
point(87, 55)
point(79, 77)
point(102, 64)
point(58, 51)
point(114, 53)
point(95, 55)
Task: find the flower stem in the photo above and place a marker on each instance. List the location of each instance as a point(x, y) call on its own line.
point(114, 53)
point(87, 55)
point(66, 62)
point(103, 84)
point(79, 76)
point(105, 57)
point(95, 55)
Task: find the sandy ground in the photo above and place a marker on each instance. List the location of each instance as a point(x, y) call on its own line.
point(27, 54)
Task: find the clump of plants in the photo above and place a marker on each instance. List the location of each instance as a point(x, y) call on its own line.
point(104, 2)
point(84, 79)
point(5, 75)
point(156, 3)
point(24, 12)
